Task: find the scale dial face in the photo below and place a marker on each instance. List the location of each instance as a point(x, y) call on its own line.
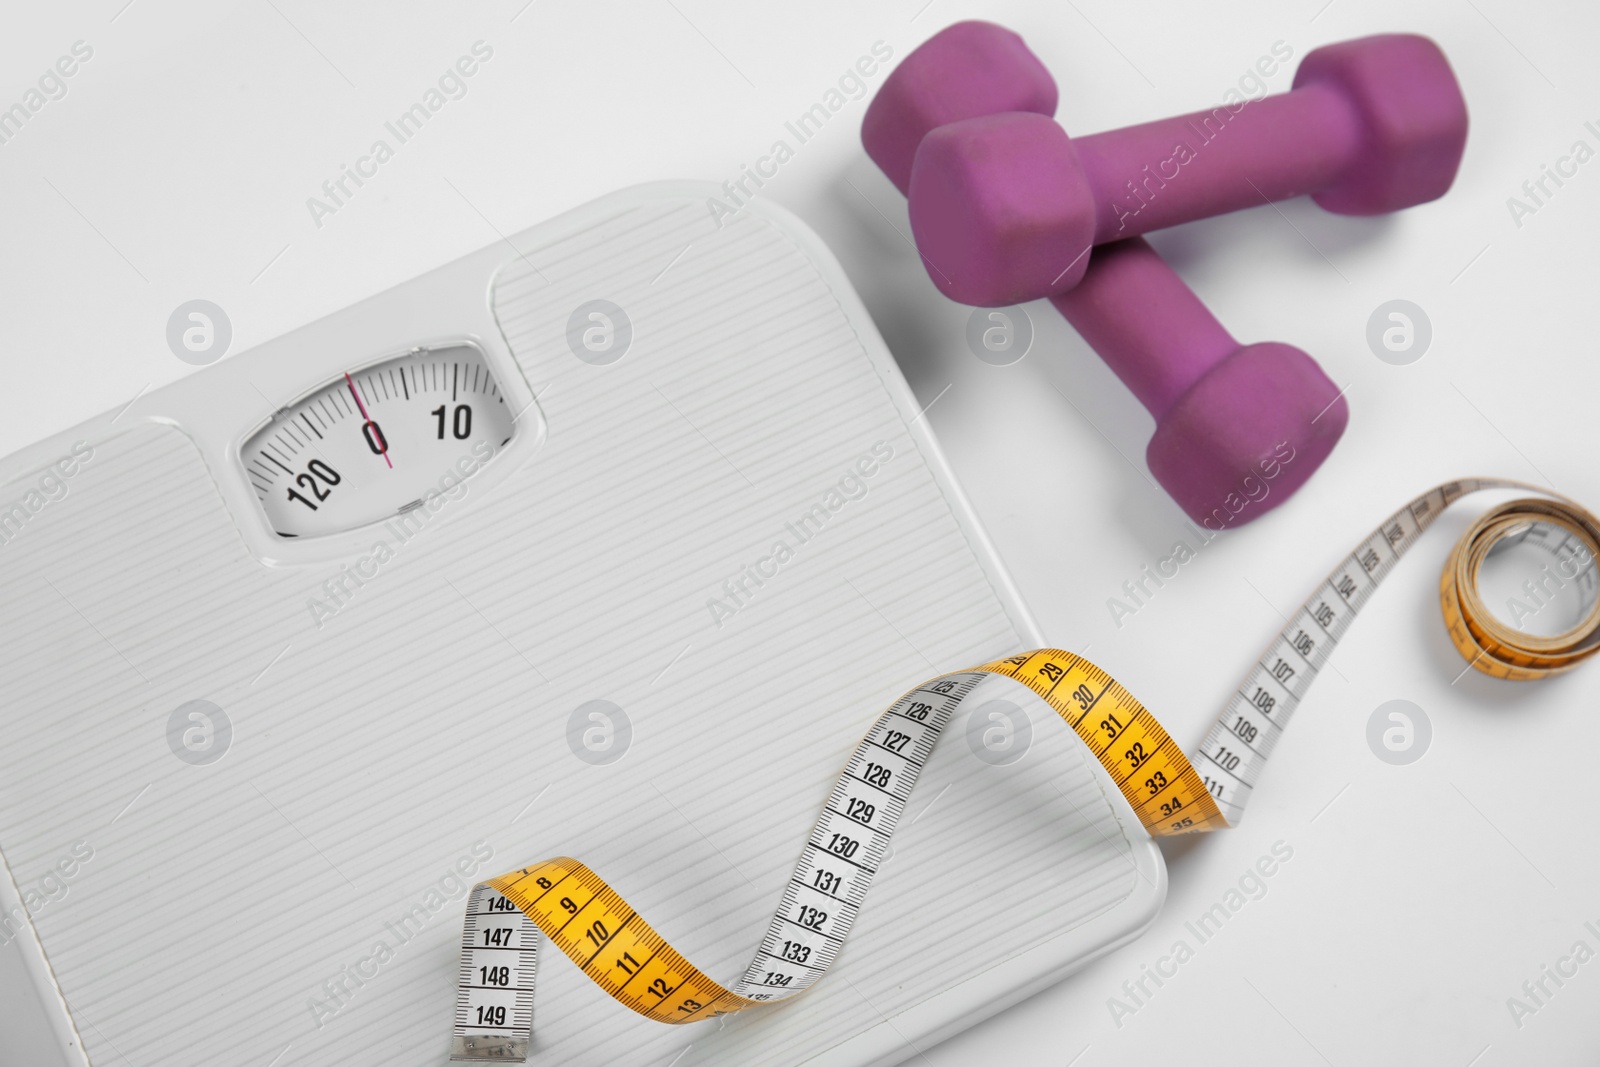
point(373, 442)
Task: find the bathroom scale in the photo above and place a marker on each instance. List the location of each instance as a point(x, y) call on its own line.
point(609, 541)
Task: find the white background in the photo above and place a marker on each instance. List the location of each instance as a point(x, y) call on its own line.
point(1418, 898)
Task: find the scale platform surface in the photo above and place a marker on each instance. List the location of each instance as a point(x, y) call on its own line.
point(392, 710)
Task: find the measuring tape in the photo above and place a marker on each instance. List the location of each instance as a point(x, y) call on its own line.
point(561, 899)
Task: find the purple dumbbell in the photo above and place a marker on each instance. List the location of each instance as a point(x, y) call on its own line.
point(1003, 203)
point(1226, 415)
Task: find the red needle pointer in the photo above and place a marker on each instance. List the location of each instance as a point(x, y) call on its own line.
point(376, 432)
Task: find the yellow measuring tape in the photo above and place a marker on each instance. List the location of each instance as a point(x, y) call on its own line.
point(564, 901)
point(1569, 534)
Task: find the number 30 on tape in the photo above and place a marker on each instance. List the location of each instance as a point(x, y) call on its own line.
point(565, 902)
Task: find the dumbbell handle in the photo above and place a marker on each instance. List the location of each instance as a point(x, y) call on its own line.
point(1274, 148)
point(1145, 322)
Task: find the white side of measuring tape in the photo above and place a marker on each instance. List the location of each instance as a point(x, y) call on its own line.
point(1237, 746)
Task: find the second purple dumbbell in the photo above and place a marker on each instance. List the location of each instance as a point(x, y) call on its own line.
point(1002, 204)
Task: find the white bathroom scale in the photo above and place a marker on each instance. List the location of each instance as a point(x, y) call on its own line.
point(484, 570)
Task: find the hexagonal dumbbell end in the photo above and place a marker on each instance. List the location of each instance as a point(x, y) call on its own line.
point(1001, 210)
point(965, 70)
point(1411, 121)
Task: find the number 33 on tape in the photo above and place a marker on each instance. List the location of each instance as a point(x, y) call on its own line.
point(565, 902)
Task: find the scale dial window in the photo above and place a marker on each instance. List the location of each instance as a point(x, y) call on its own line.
point(373, 442)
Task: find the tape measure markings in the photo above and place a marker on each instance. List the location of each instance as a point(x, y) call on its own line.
point(483, 1008)
point(617, 949)
point(1263, 705)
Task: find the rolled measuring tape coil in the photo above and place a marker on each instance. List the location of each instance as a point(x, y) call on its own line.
point(564, 901)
